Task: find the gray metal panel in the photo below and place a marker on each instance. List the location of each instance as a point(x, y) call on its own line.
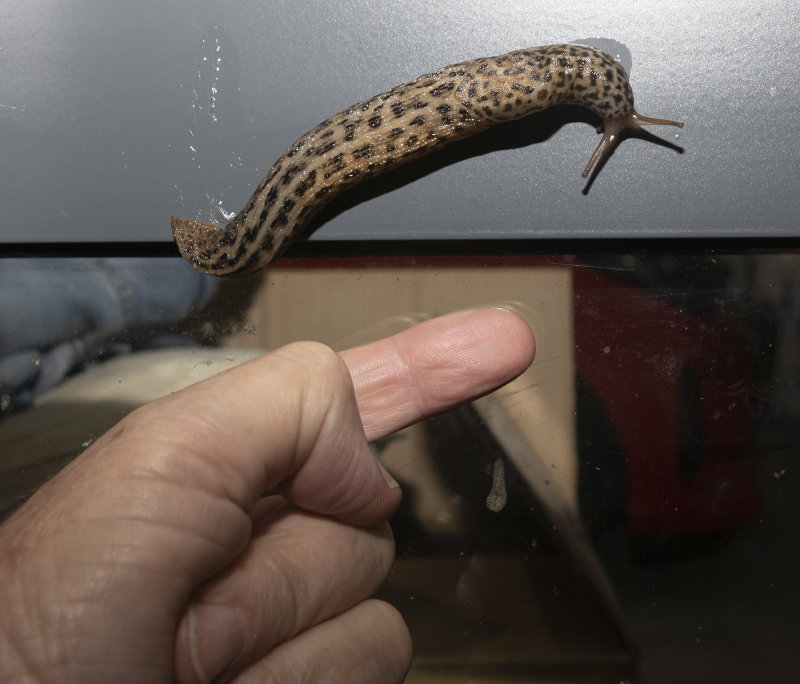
point(113, 116)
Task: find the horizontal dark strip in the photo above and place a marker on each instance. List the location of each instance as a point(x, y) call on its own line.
point(439, 247)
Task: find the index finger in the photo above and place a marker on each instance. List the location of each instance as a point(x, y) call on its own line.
point(437, 365)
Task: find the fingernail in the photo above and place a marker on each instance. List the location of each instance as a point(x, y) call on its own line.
point(519, 308)
point(216, 639)
point(393, 484)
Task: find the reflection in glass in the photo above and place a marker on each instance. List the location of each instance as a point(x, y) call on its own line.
point(625, 510)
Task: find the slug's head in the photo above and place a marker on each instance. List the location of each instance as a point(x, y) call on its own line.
point(612, 128)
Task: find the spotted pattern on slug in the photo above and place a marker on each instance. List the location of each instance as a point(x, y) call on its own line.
point(408, 121)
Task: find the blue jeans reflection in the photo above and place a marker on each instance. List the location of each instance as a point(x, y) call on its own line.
point(58, 314)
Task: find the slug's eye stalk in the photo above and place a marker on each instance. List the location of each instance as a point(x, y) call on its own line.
point(612, 129)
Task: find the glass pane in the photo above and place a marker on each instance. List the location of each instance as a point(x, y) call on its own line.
point(623, 511)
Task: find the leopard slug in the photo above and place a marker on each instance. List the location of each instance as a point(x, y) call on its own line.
point(404, 123)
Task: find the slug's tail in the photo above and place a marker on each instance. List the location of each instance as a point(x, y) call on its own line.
point(197, 242)
point(612, 129)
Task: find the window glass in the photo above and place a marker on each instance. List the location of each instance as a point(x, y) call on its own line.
point(626, 509)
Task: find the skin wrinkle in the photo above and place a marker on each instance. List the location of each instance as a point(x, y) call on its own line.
point(200, 464)
point(231, 523)
point(68, 632)
point(24, 610)
point(121, 551)
point(167, 456)
point(288, 592)
point(382, 393)
point(284, 665)
point(109, 540)
point(336, 424)
point(301, 397)
point(210, 505)
point(27, 614)
point(383, 389)
point(449, 346)
point(352, 543)
point(403, 363)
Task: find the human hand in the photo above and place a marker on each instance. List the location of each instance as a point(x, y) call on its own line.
point(155, 556)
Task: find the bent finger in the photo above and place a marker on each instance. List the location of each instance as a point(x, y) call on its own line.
point(301, 569)
point(369, 643)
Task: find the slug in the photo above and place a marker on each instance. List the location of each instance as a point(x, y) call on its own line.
point(404, 123)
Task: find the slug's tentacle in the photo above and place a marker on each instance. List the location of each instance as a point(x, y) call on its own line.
point(612, 130)
point(404, 123)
